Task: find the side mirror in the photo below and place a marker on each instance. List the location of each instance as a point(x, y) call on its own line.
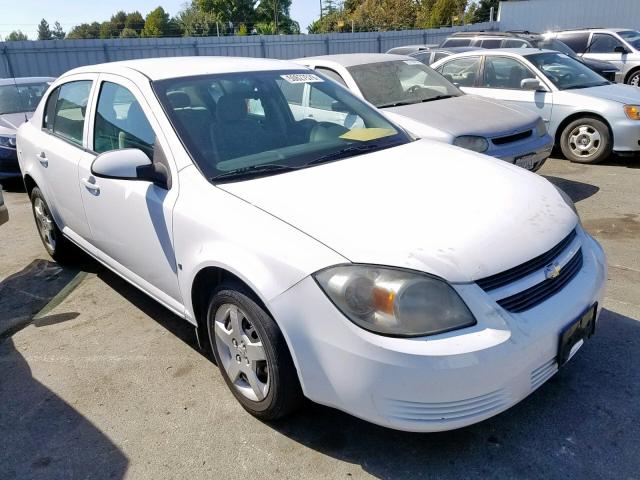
point(530, 84)
point(127, 164)
point(620, 49)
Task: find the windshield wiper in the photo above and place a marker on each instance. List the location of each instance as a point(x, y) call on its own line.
point(439, 97)
point(413, 102)
point(351, 151)
point(254, 170)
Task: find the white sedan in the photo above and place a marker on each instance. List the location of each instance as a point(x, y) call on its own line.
point(410, 283)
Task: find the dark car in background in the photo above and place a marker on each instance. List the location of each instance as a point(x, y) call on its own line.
point(434, 54)
point(19, 98)
point(526, 39)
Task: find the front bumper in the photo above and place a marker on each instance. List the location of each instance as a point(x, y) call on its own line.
point(440, 382)
point(9, 166)
point(626, 135)
point(534, 150)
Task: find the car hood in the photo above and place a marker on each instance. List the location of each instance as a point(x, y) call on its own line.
point(616, 92)
point(9, 122)
point(426, 205)
point(460, 116)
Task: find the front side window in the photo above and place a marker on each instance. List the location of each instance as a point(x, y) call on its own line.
point(632, 37)
point(23, 97)
point(604, 43)
point(565, 72)
point(461, 71)
point(69, 111)
point(120, 122)
point(504, 72)
point(228, 143)
point(401, 82)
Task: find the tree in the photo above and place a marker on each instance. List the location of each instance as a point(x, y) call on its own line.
point(446, 12)
point(108, 30)
point(85, 30)
point(338, 21)
point(484, 9)
point(57, 32)
point(16, 36)
point(128, 33)
point(156, 24)
point(195, 23)
point(277, 11)
point(134, 21)
point(382, 15)
point(234, 11)
point(44, 32)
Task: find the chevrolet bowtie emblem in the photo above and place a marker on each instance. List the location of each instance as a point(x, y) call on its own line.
point(552, 270)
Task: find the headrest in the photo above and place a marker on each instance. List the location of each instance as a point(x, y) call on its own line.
point(179, 99)
point(231, 108)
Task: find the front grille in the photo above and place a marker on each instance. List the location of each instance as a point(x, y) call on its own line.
point(511, 138)
point(516, 273)
point(537, 294)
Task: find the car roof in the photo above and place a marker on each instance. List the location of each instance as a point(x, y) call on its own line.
point(509, 51)
point(174, 67)
point(353, 59)
point(591, 29)
point(457, 49)
point(24, 80)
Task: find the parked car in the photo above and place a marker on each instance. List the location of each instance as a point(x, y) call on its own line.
point(408, 49)
point(354, 266)
point(435, 54)
point(526, 39)
point(588, 116)
point(621, 47)
point(18, 99)
point(4, 213)
point(424, 103)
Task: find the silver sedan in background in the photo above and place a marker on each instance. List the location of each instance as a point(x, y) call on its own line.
point(588, 116)
point(427, 105)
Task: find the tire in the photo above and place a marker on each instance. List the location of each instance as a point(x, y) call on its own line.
point(56, 245)
point(268, 389)
point(586, 140)
point(634, 79)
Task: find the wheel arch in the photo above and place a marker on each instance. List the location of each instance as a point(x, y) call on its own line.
point(29, 184)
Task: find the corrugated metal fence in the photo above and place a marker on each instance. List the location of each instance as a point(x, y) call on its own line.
point(542, 15)
point(53, 57)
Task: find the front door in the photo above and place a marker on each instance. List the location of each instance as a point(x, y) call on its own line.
point(131, 221)
point(602, 47)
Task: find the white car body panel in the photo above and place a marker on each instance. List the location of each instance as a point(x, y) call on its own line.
point(425, 205)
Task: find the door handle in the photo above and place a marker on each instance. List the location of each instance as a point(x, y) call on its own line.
point(89, 184)
point(42, 158)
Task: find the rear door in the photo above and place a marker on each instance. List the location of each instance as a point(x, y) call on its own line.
point(60, 146)
point(501, 79)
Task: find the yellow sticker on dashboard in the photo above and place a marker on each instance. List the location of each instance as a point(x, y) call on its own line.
point(366, 134)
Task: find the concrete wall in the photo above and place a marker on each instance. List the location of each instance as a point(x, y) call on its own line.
point(542, 15)
point(53, 57)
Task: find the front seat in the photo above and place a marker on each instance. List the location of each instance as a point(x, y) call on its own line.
point(235, 134)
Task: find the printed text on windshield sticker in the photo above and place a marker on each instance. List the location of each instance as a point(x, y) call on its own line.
point(302, 78)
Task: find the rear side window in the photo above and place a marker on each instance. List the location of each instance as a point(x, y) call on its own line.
point(513, 43)
point(491, 43)
point(462, 71)
point(121, 122)
point(66, 109)
point(577, 41)
point(457, 42)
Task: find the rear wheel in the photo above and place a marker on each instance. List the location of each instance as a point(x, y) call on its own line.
point(586, 140)
point(56, 245)
point(252, 354)
point(634, 79)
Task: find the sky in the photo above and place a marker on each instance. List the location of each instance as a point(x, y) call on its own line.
point(26, 14)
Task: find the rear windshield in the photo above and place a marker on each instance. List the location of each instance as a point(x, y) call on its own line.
point(22, 97)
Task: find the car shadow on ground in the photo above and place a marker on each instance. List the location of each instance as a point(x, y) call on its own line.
point(580, 424)
point(42, 436)
point(578, 191)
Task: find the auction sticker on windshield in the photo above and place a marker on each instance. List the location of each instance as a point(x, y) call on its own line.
point(302, 78)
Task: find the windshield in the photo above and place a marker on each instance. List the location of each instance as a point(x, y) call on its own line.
point(565, 72)
point(631, 37)
point(401, 82)
point(241, 125)
point(553, 44)
point(22, 97)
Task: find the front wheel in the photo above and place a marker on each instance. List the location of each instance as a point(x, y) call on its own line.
point(634, 79)
point(252, 354)
point(586, 140)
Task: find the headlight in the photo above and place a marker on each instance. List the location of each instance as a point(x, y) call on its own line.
point(567, 200)
point(541, 128)
point(477, 144)
point(394, 302)
point(632, 111)
point(9, 142)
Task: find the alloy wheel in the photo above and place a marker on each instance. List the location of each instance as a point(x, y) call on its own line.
point(45, 224)
point(635, 80)
point(584, 141)
point(241, 352)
